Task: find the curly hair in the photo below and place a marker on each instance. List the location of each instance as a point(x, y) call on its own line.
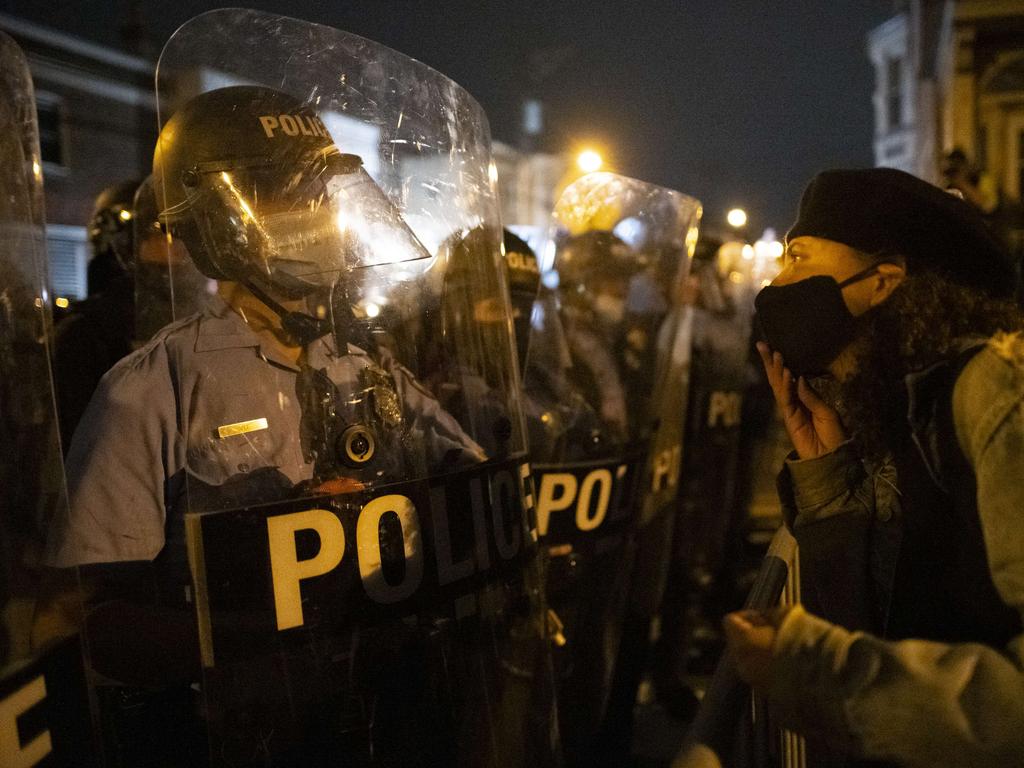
point(923, 322)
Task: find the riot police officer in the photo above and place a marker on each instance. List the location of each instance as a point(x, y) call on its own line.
point(162, 270)
point(334, 418)
point(358, 575)
point(593, 272)
point(523, 274)
point(699, 589)
point(110, 235)
point(265, 327)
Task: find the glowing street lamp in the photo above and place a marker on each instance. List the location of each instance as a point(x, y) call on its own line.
point(737, 218)
point(589, 161)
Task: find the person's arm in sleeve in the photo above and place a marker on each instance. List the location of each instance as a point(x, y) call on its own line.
point(918, 702)
point(116, 469)
point(829, 504)
point(121, 455)
point(828, 499)
point(914, 702)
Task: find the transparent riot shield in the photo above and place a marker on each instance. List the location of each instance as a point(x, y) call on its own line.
point(721, 372)
point(45, 714)
point(603, 356)
point(323, 466)
point(658, 491)
point(707, 543)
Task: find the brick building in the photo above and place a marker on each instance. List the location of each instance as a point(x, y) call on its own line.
point(97, 126)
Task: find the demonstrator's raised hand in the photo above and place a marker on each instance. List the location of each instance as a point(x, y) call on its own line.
point(814, 426)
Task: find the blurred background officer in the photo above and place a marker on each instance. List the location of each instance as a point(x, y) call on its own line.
point(469, 325)
point(608, 330)
point(707, 546)
point(523, 275)
point(98, 331)
point(167, 282)
point(904, 491)
point(562, 423)
point(559, 420)
point(466, 375)
point(593, 271)
point(110, 235)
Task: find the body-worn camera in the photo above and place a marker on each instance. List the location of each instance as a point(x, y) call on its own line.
point(356, 436)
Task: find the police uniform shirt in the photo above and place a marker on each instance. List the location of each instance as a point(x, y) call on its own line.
point(156, 414)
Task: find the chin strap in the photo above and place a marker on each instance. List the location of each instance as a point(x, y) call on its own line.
point(302, 327)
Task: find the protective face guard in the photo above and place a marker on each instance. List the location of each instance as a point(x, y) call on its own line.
point(296, 226)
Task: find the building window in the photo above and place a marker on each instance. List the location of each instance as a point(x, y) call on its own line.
point(894, 92)
point(68, 250)
point(52, 144)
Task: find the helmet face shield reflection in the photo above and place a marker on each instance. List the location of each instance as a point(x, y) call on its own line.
point(297, 225)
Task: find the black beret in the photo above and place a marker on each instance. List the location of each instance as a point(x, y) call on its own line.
point(883, 210)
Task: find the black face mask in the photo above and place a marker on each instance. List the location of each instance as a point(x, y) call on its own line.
point(808, 322)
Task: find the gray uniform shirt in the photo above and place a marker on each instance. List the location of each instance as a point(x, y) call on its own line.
point(156, 415)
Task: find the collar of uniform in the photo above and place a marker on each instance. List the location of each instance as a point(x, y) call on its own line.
point(223, 328)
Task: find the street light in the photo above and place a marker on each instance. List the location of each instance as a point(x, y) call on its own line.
point(589, 161)
point(737, 218)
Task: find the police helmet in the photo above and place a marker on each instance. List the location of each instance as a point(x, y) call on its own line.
point(110, 226)
point(521, 262)
point(253, 183)
point(593, 259)
point(523, 284)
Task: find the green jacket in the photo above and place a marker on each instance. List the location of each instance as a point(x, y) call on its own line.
point(914, 702)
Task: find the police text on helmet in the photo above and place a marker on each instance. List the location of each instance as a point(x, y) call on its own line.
point(293, 125)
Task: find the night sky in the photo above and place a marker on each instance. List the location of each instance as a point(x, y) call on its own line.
point(736, 103)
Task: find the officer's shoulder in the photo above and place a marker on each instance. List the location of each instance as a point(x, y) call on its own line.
point(156, 352)
point(401, 374)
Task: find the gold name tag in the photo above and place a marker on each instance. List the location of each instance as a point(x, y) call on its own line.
point(230, 430)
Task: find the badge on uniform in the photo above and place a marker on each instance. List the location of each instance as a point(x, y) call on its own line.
point(241, 428)
point(381, 385)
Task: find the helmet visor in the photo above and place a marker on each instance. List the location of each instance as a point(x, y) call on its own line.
point(302, 224)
